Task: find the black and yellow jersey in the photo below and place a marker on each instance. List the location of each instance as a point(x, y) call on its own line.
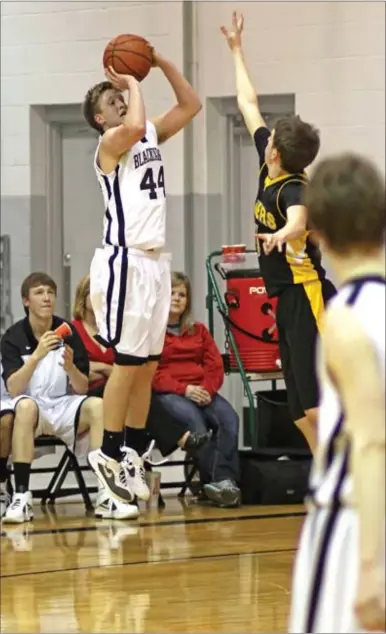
point(300, 260)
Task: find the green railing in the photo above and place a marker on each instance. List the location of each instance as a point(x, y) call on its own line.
point(214, 297)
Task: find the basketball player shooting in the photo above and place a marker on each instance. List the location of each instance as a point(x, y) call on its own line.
point(289, 261)
point(130, 277)
point(339, 578)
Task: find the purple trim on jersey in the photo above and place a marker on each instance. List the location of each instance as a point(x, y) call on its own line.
point(107, 212)
point(119, 209)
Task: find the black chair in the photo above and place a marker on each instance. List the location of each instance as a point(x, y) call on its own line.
point(67, 463)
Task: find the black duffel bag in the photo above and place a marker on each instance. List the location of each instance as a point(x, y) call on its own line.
point(271, 477)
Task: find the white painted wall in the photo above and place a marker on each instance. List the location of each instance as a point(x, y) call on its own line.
point(51, 53)
point(330, 54)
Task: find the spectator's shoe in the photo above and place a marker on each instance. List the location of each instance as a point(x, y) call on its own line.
point(5, 498)
point(195, 441)
point(224, 493)
point(20, 509)
point(112, 475)
point(109, 509)
point(132, 466)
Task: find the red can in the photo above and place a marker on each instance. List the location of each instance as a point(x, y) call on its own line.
point(252, 318)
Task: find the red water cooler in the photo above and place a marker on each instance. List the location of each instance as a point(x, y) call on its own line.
point(252, 321)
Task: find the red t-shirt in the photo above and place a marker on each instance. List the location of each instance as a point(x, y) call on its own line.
point(94, 351)
point(189, 359)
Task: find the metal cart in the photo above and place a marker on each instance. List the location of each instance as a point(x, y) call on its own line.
point(214, 298)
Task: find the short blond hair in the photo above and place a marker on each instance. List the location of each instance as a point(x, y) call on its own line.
point(81, 294)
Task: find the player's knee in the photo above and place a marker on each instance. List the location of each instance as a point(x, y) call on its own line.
point(92, 411)
point(26, 414)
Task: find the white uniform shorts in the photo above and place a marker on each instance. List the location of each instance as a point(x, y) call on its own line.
point(130, 292)
point(57, 417)
point(326, 573)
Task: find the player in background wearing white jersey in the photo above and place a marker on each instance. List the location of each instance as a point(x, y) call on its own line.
point(130, 276)
point(339, 578)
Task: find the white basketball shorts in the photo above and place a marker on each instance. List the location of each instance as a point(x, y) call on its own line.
point(326, 573)
point(130, 292)
point(57, 417)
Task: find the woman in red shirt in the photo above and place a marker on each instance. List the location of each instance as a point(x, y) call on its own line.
point(186, 384)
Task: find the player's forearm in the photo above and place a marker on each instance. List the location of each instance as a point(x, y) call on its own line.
point(291, 231)
point(135, 118)
point(78, 380)
point(18, 381)
point(186, 96)
point(369, 485)
point(246, 92)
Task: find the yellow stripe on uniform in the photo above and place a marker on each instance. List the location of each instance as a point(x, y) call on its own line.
point(298, 260)
point(314, 293)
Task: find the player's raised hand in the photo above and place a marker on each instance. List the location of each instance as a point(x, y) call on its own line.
point(271, 241)
point(233, 35)
point(120, 82)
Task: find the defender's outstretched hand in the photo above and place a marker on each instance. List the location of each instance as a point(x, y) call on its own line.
point(271, 241)
point(234, 35)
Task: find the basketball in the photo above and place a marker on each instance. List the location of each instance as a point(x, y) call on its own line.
point(129, 55)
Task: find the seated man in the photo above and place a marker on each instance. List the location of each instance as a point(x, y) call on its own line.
point(47, 382)
point(186, 385)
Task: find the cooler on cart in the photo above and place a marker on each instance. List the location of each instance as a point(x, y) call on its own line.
point(275, 468)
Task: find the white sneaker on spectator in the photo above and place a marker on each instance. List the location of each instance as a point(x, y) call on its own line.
point(132, 464)
point(107, 508)
point(20, 509)
point(112, 476)
point(5, 498)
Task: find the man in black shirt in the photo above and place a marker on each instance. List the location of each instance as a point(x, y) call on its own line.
point(46, 381)
point(289, 261)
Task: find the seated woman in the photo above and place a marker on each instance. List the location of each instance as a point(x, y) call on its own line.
point(101, 363)
point(186, 385)
point(101, 359)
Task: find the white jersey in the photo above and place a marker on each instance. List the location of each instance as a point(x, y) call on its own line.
point(331, 482)
point(134, 196)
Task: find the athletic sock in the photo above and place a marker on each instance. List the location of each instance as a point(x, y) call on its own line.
point(21, 471)
point(137, 439)
point(112, 441)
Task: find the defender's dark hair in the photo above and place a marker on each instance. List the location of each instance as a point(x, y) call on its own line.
point(91, 103)
point(345, 199)
point(297, 142)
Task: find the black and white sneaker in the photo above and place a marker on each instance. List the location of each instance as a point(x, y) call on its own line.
point(106, 508)
point(112, 475)
point(133, 466)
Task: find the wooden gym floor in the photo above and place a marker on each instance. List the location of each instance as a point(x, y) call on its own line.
point(187, 568)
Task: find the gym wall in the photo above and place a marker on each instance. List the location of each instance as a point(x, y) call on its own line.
point(330, 54)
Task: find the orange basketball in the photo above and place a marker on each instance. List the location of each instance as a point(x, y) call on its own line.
point(129, 55)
